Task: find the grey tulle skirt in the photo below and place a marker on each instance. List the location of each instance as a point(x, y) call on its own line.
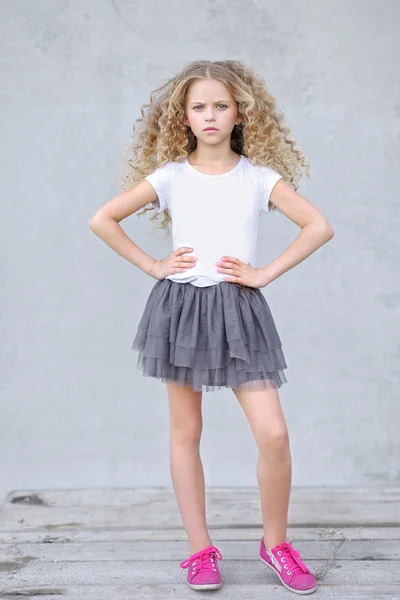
point(207, 338)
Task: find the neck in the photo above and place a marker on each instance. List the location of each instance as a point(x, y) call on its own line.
point(216, 155)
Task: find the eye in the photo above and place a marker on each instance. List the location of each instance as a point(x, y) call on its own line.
point(196, 107)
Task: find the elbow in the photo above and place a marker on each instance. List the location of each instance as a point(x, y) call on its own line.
point(330, 232)
point(326, 229)
point(100, 222)
point(94, 222)
point(323, 229)
point(91, 224)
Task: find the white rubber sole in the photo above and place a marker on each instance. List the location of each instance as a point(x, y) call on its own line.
point(209, 586)
point(302, 592)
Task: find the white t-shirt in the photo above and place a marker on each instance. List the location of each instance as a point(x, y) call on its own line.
point(216, 215)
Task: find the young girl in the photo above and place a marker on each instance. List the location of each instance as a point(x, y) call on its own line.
point(211, 156)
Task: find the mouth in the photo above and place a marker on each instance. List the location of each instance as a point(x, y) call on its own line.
point(210, 129)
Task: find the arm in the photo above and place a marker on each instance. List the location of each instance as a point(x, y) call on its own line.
point(315, 229)
point(104, 223)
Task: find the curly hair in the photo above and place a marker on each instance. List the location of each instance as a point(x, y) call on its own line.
point(261, 136)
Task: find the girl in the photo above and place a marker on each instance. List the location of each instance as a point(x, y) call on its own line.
point(212, 154)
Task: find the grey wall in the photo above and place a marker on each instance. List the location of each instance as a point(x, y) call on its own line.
point(75, 411)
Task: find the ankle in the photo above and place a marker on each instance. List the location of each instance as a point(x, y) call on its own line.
point(198, 545)
point(272, 541)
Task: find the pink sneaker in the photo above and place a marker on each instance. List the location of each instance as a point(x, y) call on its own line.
point(286, 562)
point(203, 571)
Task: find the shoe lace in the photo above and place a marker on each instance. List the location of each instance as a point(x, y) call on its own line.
point(291, 556)
point(204, 558)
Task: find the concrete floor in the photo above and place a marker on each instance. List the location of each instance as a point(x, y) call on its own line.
point(127, 543)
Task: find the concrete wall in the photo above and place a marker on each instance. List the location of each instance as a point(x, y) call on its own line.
point(75, 411)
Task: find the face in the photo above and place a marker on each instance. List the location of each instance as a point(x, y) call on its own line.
point(210, 104)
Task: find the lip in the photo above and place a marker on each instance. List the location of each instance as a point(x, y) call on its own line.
point(210, 129)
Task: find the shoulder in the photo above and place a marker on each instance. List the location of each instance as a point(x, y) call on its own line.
point(168, 168)
point(264, 179)
point(161, 179)
point(261, 172)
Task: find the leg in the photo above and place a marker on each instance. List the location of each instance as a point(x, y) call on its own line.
point(274, 469)
point(185, 463)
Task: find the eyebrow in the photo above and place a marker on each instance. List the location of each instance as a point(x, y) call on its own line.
point(217, 102)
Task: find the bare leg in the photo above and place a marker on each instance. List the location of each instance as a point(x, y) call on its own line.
point(274, 468)
point(187, 473)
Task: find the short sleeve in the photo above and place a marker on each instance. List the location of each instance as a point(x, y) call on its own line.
point(160, 179)
point(267, 180)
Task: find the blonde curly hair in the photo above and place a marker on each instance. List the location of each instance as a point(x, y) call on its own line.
point(261, 136)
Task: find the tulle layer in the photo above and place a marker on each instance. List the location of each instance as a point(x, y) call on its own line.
point(209, 337)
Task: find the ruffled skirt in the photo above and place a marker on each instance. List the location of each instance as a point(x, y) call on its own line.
point(207, 338)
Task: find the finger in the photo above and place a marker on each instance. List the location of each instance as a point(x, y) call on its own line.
point(189, 259)
point(185, 265)
point(231, 278)
point(231, 270)
point(231, 259)
point(183, 250)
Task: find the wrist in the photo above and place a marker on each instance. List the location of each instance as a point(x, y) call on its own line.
point(267, 275)
point(148, 266)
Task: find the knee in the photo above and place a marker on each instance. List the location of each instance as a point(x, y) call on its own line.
point(275, 442)
point(188, 434)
